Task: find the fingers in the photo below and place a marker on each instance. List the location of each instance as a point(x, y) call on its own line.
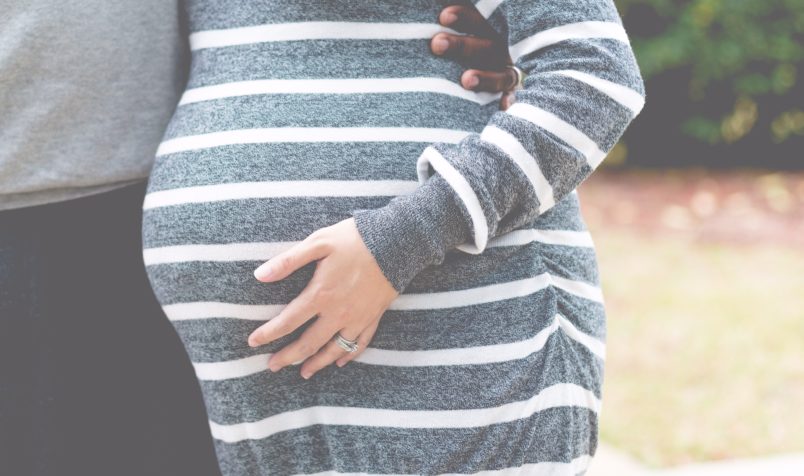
point(479, 47)
point(282, 265)
point(488, 80)
point(330, 353)
point(507, 100)
point(296, 313)
point(362, 343)
point(311, 341)
point(485, 51)
point(470, 51)
point(466, 19)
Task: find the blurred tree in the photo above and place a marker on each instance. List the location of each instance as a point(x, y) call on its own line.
point(722, 76)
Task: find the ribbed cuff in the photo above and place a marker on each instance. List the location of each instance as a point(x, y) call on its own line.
point(414, 231)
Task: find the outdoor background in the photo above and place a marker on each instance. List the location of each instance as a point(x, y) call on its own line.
point(698, 218)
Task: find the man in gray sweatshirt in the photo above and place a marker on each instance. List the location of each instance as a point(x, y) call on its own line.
point(94, 379)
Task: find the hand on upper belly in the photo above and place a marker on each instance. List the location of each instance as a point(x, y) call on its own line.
point(348, 292)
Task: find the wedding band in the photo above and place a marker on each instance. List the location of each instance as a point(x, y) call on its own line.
point(520, 76)
point(346, 344)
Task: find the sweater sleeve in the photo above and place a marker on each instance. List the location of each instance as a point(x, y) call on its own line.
point(583, 88)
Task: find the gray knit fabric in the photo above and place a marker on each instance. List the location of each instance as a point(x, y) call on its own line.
point(301, 114)
point(86, 90)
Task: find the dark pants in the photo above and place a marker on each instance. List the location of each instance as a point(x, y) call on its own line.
point(93, 378)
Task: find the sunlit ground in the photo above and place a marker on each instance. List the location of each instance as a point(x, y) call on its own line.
point(705, 323)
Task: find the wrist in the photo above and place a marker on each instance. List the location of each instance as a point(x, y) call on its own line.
point(413, 231)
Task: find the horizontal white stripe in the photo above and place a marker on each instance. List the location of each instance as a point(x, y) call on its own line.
point(622, 94)
point(595, 345)
point(314, 30)
point(572, 31)
point(209, 309)
point(336, 86)
point(463, 189)
point(478, 355)
point(546, 468)
point(215, 371)
point(561, 129)
point(559, 395)
point(487, 7)
point(405, 302)
point(526, 162)
point(550, 237)
point(263, 251)
point(471, 296)
point(578, 288)
point(309, 134)
point(300, 188)
point(225, 252)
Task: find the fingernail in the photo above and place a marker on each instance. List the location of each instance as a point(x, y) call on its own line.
point(263, 272)
point(449, 18)
point(340, 364)
point(306, 375)
point(253, 341)
point(472, 81)
point(440, 45)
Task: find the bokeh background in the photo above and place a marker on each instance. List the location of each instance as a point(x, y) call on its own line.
point(698, 218)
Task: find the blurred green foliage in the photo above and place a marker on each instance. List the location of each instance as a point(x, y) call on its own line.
point(743, 59)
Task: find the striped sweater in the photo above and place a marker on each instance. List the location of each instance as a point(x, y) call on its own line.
point(300, 114)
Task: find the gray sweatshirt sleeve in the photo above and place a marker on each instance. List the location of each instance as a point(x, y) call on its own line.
point(583, 88)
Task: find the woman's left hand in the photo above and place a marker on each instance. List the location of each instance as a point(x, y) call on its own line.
point(348, 292)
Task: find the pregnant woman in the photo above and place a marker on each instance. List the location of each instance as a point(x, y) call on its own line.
point(327, 192)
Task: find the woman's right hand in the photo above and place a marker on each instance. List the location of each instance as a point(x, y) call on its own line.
point(481, 49)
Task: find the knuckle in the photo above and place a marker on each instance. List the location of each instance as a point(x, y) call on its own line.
point(283, 327)
point(315, 238)
point(462, 46)
point(341, 318)
point(305, 348)
point(284, 262)
point(319, 241)
point(323, 293)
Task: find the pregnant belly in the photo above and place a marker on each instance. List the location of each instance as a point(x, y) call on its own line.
point(212, 215)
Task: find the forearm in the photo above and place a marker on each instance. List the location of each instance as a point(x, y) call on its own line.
point(583, 89)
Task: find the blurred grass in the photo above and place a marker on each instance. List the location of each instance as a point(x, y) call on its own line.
point(704, 348)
